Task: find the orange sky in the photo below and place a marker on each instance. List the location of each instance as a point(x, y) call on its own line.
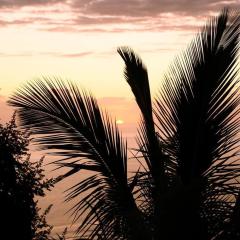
point(77, 40)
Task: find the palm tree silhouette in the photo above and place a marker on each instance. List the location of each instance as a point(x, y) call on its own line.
point(187, 186)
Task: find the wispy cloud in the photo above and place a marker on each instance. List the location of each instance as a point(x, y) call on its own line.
point(152, 8)
point(23, 3)
point(110, 15)
point(51, 54)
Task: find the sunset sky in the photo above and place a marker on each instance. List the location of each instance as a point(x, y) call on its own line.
point(77, 40)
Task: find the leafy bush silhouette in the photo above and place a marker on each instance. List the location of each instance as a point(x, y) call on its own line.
point(20, 181)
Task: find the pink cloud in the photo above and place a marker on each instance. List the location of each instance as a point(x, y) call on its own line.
point(93, 15)
point(152, 8)
point(22, 3)
point(52, 54)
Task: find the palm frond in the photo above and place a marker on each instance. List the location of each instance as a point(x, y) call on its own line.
point(70, 124)
point(197, 109)
point(156, 181)
point(198, 116)
point(137, 77)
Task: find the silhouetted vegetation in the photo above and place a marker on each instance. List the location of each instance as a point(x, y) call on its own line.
point(187, 183)
point(20, 182)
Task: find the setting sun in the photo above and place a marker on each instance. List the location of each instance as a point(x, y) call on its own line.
point(119, 121)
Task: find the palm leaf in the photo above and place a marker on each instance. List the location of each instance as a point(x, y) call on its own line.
point(70, 124)
point(137, 77)
point(198, 116)
point(198, 102)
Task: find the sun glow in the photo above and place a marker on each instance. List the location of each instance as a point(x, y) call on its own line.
point(119, 121)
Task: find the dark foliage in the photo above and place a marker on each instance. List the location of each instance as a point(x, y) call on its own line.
point(20, 181)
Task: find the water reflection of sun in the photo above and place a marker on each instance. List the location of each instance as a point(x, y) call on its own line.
point(119, 121)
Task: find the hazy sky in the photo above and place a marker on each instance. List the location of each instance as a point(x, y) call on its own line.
point(77, 40)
